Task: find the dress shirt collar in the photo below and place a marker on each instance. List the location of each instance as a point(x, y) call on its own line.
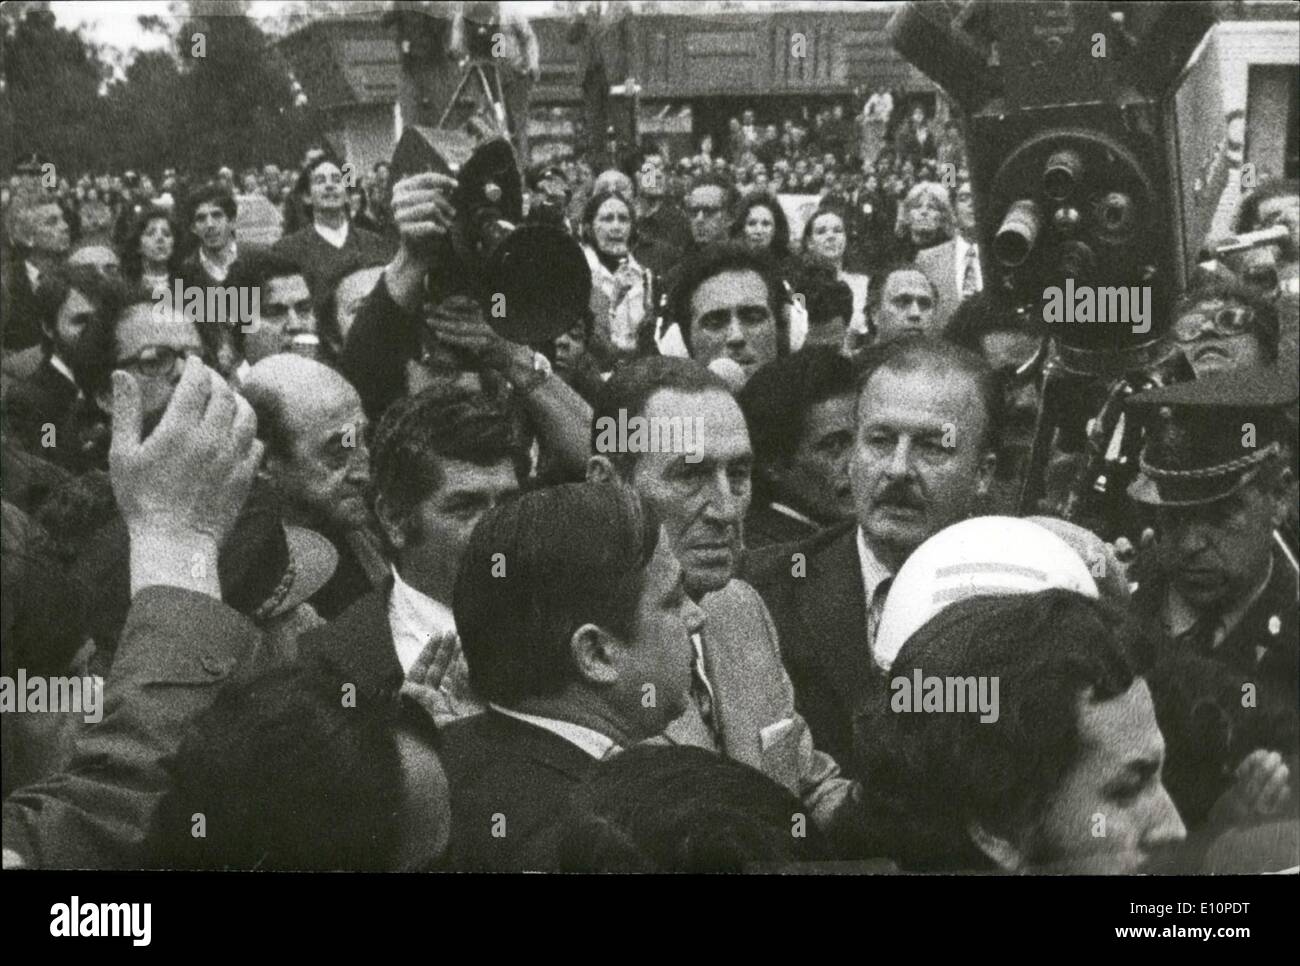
point(793, 514)
point(592, 742)
point(414, 617)
point(33, 274)
point(873, 571)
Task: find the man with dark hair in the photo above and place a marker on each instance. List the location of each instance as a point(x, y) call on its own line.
point(329, 247)
point(698, 482)
point(1075, 747)
point(655, 810)
point(440, 460)
point(576, 627)
point(708, 210)
point(903, 303)
point(318, 464)
point(44, 413)
point(800, 415)
point(924, 452)
point(282, 313)
point(211, 219)
point(296, 779)
point(728, 303)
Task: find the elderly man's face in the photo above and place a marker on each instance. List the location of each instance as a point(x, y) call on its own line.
point(906, 304)
point(703, 500)
point(919, 462)
point(706, 207)
point(730, 317)
point(324, 475)
point(1116, 776)
point(101, 257)
point(1212, 336)
point(152, 346)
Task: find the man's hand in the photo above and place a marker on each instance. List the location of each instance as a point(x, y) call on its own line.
point(1259, 788)
point(180, 489)
point(422, 212)
point(439, 681)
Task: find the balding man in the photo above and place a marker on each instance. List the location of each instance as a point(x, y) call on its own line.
point(41, 236)
point(312, 423)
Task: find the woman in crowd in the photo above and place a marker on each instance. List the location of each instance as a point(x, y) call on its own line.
point(825, 240)
point(925, 219)
point(761, 224)
point(620, 286)
point(149, 252)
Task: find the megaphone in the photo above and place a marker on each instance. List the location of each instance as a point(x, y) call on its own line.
point(532, 280)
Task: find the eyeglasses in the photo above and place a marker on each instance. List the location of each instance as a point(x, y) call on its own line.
point(1229, 320)
point(157, 360)
point(707, 211)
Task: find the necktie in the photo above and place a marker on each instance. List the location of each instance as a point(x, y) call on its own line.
point(970, 283)
point(701, 690)
point(875, 609)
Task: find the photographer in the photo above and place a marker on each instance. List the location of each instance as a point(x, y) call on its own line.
point(384, 348)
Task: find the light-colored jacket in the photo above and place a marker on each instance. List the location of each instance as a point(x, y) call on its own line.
point(753, 704)
point(618, 317)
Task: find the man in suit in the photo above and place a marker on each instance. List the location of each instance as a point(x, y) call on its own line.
point(440, 461)
point(576, 628)
point(903, 303)
point(180, 491)
point(742, 700)
point(329, 247)
point(46, 413)
point(41, 236)
point(925, 438)
point(954, 266)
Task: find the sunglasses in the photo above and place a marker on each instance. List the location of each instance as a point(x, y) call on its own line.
point(696, 211)
point(1230, 320)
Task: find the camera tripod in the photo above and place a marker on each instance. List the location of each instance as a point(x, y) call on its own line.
point(489, 82)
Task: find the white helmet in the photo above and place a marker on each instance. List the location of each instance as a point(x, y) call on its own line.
point(984, 555)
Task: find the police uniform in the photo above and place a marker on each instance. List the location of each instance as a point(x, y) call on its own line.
point(1199, 450)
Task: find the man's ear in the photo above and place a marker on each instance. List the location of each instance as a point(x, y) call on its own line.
point(600, 469)
point(391, 522)
point(595, 654)
point(1005, 855)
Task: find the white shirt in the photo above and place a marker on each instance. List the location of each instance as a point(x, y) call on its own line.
point(592, 742)
point(218, 271)
point(414, 617)
point(338, 237)
point(62, 369)
point(874, 573)
point(959, 250)
point(33, 275)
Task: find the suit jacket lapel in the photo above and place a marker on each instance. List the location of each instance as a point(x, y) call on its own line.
point(832, 604)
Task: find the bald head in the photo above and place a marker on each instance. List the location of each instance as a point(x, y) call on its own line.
point(312, 423)
point(287, 390)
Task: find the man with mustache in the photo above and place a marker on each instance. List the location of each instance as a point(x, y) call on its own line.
point(742, 700)
point(923, 457)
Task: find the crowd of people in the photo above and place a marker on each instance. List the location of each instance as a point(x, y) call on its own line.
point(364, 584)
